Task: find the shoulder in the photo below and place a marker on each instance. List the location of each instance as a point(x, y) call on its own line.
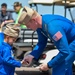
point(5, 46)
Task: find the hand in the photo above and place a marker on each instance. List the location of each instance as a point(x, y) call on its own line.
point(2, 24)
point(22, 62)
point(5, 22)
point(28, 59)
point(43, 67)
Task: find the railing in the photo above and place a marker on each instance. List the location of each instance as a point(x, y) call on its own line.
point(28, 39)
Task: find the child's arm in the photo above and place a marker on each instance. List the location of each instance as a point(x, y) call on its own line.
point(1, 27)
point(9, 60)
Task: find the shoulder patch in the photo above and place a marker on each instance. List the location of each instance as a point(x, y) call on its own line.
point(57, 36)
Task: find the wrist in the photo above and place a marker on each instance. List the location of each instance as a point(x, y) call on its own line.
point(5, 22)
point(31, 56)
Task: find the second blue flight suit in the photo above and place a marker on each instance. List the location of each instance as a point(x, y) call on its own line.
point(62, 32)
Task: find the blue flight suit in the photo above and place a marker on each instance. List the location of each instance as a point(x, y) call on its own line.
point(54, 26)
point(8, 63)
point(1, 37)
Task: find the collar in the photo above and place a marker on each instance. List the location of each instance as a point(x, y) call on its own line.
point(44, 25)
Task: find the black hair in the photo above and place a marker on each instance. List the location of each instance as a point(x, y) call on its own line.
point(4, 4)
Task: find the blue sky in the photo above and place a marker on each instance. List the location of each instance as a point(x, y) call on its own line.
point(41, 9)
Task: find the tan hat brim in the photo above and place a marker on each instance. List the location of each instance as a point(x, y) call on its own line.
point(24, 18)
point(26, 15)
point(11, 31)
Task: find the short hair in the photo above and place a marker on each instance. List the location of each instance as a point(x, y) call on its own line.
point(17, 4)
point(4, 4)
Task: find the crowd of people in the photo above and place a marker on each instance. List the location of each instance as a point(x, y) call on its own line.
point(55, 27)
point(6, 16)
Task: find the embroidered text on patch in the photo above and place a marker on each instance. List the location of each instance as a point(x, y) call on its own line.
point(57, 36)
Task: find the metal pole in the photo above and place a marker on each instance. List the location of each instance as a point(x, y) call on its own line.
point(32, 40)
point(65, 9)
point(36, 7)
point(53, 8)
point(31, 5)
point(71, 14)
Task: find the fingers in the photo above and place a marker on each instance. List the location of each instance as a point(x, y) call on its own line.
point(2, 24)
point(27, 60)
point(43, 67)
point(24, 62)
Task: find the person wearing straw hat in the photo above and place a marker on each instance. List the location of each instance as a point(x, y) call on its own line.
point(8, 62)
point(57, 28)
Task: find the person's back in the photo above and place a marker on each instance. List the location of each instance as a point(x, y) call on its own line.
point(67, 25)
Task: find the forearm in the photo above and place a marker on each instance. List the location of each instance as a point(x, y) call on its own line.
point(1, 26)
point(8, 21)
point(57, 60)
point(12, 62)
point(37, 51)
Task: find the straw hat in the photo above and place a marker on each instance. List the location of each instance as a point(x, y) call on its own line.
point(12, 30)
point(26, 14)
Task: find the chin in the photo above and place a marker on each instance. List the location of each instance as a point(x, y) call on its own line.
point(34, 29)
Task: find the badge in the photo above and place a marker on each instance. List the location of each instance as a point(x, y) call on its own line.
point(57, 36)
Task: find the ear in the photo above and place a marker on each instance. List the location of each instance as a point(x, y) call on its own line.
point(33, 19)
point(7, 37)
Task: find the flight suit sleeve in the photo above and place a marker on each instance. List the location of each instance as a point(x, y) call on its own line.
point(38, 49)
point(9, 59)
point(71, 57)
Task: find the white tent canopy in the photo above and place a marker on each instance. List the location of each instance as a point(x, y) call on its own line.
point(50, 2)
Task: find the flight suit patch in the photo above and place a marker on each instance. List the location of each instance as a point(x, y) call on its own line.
point(57, 36)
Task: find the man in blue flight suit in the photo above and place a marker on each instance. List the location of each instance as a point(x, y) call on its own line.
point(57, 28)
